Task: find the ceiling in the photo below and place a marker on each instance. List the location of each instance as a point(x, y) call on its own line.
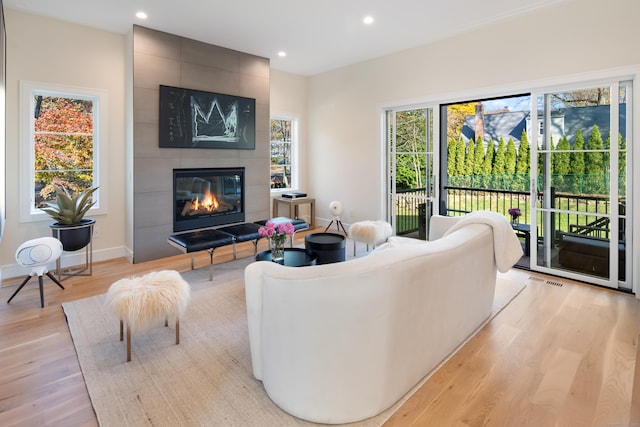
point(317, 36)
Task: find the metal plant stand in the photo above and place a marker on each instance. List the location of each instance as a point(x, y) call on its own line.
point(85, 269)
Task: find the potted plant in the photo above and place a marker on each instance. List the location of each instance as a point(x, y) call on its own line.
point(73, 230)
point(515, 215)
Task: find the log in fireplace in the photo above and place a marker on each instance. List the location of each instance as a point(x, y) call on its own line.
point(207, 197)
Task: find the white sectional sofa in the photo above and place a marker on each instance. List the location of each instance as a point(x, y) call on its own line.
point(342, 342)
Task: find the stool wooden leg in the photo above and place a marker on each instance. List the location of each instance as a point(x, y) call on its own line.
point(128, 344)
point(121, 330)
point(177, 331)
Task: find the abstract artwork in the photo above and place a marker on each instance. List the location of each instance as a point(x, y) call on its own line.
point(197, 119)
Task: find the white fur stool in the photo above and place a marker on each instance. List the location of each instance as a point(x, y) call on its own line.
point(139, 301)
point(370, 232)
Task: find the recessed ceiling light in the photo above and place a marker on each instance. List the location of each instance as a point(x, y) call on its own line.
point(282, 54)
point(368, 20)
point(141, 15)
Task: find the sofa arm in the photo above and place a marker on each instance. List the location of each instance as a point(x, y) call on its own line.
point(439, 224)
point(253, 296)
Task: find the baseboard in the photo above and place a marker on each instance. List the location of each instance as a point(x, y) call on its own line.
point(68, 259)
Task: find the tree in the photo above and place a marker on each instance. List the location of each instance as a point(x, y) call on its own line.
point(410, 148)
point(478, 164)
point(583, 98)
point(281, 152)
point(499, 159)
point(577, 154)
point(594, 162)
point(523, 164)
point(456, 114)
point(487, 165)
point(460, 158)
point(510, 158)
point(63, 145)
point(622, 156)
point(561, 164)
point(470, 159)
point(622, 165)
point(451, 157)
point(577, 162)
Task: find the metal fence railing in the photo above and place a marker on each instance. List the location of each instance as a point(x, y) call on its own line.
point(586, 216)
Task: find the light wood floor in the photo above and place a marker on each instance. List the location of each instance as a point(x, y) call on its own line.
point(557, 355)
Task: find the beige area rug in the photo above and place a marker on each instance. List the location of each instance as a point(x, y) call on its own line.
point(204, 381)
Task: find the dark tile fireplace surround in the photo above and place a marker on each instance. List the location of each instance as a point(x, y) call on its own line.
point(160, 58)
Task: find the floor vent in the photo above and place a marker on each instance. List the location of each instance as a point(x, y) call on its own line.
point(551, 282)
point(546, 282)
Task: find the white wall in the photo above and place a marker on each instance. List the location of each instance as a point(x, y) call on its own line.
point(344, 141)
point(289, 97)
point(44, 50)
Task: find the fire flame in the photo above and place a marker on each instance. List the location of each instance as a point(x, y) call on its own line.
point(209, 202)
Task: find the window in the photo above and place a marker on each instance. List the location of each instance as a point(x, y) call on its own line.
point(284, 137)
point(61, 135)
point(566, 174)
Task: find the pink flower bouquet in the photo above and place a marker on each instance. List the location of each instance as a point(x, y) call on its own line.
point(276, 233)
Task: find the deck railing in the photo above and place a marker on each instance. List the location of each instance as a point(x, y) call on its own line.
point(411, 210)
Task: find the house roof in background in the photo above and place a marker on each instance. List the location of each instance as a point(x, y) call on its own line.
point(317, 36)
point(496, 125)
point(564, 122)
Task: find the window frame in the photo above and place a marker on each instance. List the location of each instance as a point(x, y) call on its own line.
point(28, 90)
point(295, 124)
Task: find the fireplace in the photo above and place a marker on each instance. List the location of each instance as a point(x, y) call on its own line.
point(207, 197)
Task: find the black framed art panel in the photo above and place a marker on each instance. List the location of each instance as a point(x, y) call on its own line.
point(198, 119)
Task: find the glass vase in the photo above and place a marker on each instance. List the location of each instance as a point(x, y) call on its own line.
point(277, 251)
point(515, 220)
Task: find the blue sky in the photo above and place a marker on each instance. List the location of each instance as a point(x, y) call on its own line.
point(519, 103)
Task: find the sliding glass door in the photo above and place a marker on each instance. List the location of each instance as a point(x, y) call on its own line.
point(410, 168)
point(579, 187)
point(552, 160)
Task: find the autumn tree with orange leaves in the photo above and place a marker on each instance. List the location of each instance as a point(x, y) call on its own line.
point(63, 145)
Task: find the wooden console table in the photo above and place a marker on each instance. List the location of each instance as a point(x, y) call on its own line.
point(293, 207)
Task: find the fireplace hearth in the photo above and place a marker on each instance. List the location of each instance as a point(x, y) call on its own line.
point(207, 197)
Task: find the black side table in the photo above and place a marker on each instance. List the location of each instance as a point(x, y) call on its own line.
point(329, 247)
point(523, 230)
point(293, 257)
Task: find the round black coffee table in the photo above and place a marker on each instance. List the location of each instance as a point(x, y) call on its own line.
point(329, 247)
point(293, 257)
